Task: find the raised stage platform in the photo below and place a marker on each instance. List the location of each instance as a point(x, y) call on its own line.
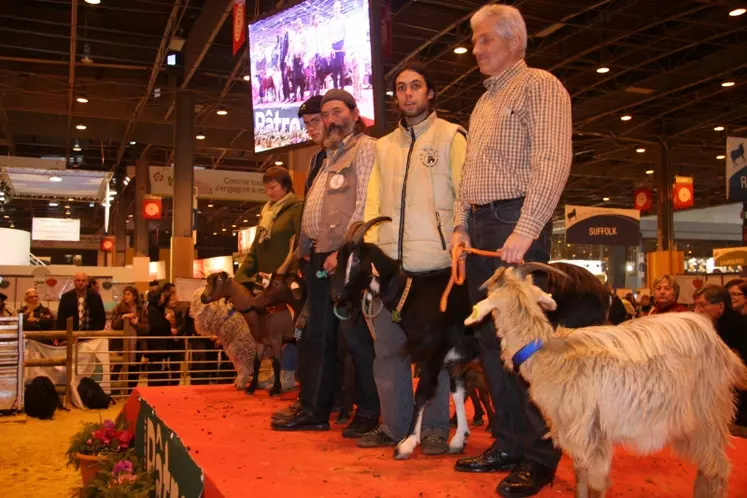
point(222, 446)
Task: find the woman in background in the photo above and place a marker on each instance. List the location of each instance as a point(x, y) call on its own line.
point(279, 221)
point(128, 308)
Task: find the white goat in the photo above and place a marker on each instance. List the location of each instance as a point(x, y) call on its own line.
point(662, 379)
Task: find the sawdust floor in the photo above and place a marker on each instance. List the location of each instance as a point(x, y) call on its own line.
point(32, 453)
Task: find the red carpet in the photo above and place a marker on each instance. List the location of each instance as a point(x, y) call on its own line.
point(228, 435)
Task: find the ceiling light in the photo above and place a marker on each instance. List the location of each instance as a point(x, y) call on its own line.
point(6, 216)
point(70, 199)
point(605, 199)
point(640, 150)
point(52, 204)
point(80, 127)
point(210, 205)
point(132, 142)
point(215, 233)
point(67, 207)
point(737, 12)
point(233, 226)
point(460, 50)
point(91, 204)
point(603, 69)
point(718, 128)
point(278, 163)
point(222, 229)
point(12, 225)
point(200, 136)
point(649, 172)
point(390, 93)
point(247, 77)
point(76, 148)
point(727, 84)
point(82, 99)
point(67, 213)
point(55, 179)
point(720, 157)
point(130, 215)
point(221, 111)
point(626, 118)
point(93, 2)
point(246, 221)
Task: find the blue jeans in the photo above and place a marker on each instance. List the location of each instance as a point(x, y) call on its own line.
point(289, 358)
point(393, 375)
point(518, 426)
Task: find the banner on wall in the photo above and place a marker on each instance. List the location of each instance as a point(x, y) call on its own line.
point(736, 169)
point(245, 239)
point(603, 226)
point(177, 474)
point(210, 184)
point(730, 256)
point(239, 24)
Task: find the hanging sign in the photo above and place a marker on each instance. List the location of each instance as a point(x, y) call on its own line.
point(603, 226)
point(107, 244)
point(683, 195)
point(152, 208)
point(239, 24)
point(643, 199)
point(730, 256)
point(736, 169)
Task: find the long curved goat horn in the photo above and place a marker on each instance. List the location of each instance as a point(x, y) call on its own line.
point(358, 237)
point(289, 258)
point(352, 230)
point(533, 266)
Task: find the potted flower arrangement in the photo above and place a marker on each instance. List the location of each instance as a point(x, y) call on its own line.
point(94, 442)
point(121, 475)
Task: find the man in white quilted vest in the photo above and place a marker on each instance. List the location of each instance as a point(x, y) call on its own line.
point(414, 181)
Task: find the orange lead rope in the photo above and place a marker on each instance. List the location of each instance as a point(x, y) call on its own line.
point(458, 268)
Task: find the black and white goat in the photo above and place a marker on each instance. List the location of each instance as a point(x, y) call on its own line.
point(435, 339)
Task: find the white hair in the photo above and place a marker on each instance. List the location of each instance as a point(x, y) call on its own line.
point(508, 22)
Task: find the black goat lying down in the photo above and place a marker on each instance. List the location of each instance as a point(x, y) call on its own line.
point(435, 340)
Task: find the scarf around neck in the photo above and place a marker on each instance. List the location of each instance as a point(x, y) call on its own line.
point(270, 212)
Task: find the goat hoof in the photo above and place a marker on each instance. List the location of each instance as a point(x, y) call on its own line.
point(250, 390)
point(456, 450)
point(401, 455)
point(276, 392)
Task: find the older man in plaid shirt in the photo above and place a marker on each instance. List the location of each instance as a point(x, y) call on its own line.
point(516, 166)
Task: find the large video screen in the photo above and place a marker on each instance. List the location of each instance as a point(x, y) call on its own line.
point(303, 51)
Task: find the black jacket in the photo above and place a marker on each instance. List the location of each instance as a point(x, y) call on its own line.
point(69, 308)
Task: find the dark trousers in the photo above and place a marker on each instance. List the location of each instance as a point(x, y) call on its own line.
point(518, 426)
point(338, 73)
point(318, 348)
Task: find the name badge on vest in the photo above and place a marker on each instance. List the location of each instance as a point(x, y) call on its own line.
point(337, 181)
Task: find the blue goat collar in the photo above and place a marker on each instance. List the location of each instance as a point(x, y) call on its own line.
point(526, 352)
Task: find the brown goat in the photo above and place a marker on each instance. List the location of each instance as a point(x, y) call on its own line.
point(657, 380)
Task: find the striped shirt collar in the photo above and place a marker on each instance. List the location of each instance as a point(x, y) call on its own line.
point(496, 82)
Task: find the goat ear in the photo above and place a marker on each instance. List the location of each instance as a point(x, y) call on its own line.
point(478, 312)
point(492, 280)
point(545, 300)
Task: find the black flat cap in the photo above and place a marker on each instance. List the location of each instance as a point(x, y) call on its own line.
point(311, 106)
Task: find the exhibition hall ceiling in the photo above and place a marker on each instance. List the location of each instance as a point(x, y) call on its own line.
point(665, 64)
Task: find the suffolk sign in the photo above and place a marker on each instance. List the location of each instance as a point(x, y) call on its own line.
point(736, 169)
point(604, 226)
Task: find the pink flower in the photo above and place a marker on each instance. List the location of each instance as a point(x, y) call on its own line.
point(108, 424)
point(126, 478)
point(123, 466)
point(89, 442)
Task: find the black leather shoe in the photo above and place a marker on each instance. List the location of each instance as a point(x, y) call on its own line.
point(527, 479)
point(302, 421)
point(490, 461)
point(359, 427)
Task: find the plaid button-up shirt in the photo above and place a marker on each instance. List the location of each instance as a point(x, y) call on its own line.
point(519, 145)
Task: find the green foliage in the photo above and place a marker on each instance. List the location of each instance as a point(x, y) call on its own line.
point(121, 475)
